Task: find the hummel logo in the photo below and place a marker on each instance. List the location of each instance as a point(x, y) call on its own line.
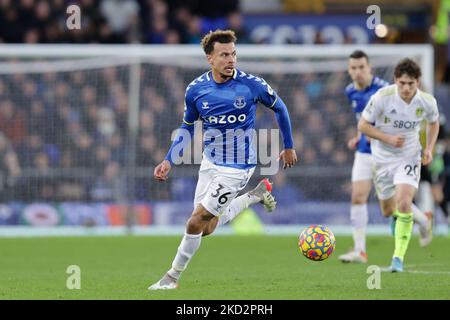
point(205, 105)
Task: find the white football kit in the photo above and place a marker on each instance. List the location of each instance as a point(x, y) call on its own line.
point(392, 115)
point(362, 167)
point(217, 186)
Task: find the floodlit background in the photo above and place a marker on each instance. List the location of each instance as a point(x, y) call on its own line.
point(86, 114)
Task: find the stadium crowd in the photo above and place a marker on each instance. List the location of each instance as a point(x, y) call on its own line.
point(65, 135)
point(139, 21)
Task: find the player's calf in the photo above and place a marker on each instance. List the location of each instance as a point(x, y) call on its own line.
point(210, 227)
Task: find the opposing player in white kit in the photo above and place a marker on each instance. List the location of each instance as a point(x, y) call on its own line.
point(225, 99)
point(397, 112)
point(363, 86)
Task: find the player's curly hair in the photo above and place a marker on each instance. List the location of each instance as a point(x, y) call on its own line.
point(221, 36)
point(408, 67)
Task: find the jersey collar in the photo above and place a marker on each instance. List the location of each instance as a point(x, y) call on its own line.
point(210, 78)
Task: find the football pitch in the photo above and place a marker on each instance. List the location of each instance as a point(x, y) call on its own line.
point(225, 267)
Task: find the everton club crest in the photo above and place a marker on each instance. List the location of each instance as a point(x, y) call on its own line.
point(239, 102)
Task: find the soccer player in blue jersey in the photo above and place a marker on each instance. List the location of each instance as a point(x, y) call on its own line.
point(363, 86)
point(225, 99)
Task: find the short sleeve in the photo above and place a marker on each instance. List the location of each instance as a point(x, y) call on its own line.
point(190, 111)
point(432, 114)
point(372, 109)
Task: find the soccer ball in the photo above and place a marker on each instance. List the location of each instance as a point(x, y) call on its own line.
point(316, 242)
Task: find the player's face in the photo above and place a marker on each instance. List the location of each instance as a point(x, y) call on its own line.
point(359, 70)
point(223, 59)
point(407, 87)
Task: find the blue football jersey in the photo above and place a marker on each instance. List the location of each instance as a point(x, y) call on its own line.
point(228, 112)
point(358, 100)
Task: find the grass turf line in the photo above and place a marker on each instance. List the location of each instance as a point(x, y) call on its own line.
point(225, 267)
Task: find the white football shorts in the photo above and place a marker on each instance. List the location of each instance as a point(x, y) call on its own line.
point(387, 176)
point(217, 185)
point(362, 167)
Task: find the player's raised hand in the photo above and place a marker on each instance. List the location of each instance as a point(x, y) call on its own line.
point(427, 157)
point(289, 158)
point(396, 141)
point(162, 170)
point(352, 143)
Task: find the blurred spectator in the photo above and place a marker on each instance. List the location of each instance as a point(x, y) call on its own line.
point(172, 37)
point(183, 189)
point(10, 170)
point(158, 30)
point(284, 191)
point(236, 23)
point(41, 186)
point(119, 150)
point(179, 20)
point(33, 145)
point(71, 186)
point(12, 122)
point(312, 85)
point(103, 123)
point(194, 30)
point(26, 14)
point(42, 13)
point(108, 186)
point(326, 147)
point(38, 120)
point(12, 28)
point(89, 118)
point(124, 25)
point(102, 157)
point(84, 149)
point(146, 151)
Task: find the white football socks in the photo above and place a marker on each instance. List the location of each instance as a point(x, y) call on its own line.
point(419, 217)
point(359, 217)
point(237, 206)
point(187, 248)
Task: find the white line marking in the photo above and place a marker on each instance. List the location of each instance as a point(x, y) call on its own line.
point(428, 272)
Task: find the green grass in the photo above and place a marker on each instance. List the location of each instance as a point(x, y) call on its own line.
point(225, 267)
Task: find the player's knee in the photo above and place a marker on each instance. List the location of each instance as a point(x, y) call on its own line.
point(404, 206)
point(199, 220)
point(360, 193)
point(387, 211)
point(210, 227)
point(194, 225)
point(359, 198)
